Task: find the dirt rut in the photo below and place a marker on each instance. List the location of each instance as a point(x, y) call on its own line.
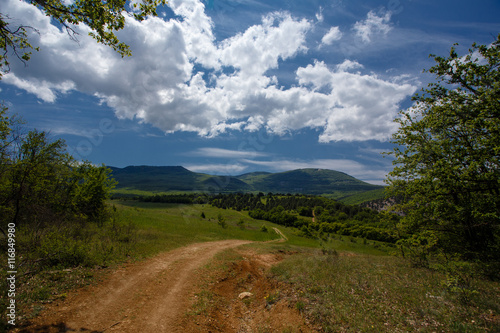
point(146, 297)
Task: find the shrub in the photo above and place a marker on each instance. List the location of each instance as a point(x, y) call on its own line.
point(222, 221)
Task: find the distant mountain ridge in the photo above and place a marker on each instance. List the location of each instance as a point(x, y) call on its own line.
point(177, 178)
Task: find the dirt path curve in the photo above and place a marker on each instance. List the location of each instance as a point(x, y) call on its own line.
point(283, 237)
point(147, 297)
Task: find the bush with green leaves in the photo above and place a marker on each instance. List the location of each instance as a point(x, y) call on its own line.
point(221, 221)
point(56, 203)
point(42, 185)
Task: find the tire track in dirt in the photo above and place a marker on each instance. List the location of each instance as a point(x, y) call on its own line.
point(147, 297)
point(282, 235)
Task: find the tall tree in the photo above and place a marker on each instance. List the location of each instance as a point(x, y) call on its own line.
point(447, 158)
point(103, 17)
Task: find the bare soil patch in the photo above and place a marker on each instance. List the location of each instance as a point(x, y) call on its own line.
point(266, 310)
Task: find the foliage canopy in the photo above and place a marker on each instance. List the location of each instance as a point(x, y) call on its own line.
point(447, 158)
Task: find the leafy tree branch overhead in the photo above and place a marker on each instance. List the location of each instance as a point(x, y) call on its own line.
point(104, 18)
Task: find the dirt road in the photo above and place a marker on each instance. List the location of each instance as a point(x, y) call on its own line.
point(147, 297)
point(283, 238)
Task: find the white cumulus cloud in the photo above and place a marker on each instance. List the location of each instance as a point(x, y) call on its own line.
point(360, 107)
point(180, 78)
point(373, 24)
point(331, 36)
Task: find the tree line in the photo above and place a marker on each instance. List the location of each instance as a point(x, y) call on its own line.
point(329, 216)
point(296, 210)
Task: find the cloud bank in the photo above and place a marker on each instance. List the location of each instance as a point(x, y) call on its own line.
point(180, 78)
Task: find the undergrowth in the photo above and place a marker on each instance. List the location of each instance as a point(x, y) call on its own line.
point(53, 260)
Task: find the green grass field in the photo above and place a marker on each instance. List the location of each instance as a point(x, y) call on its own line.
point(366, 293)
point(162, 227)
point(341, 283)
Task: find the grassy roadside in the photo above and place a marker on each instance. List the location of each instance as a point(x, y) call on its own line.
point(366, 293)
point(347, 291)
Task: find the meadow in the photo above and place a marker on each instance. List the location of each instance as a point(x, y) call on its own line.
point(367, 293)
point(340, 283)
point(165, 226)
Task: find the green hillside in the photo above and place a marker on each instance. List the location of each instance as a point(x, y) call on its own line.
point(309, 181)
point(362, 197)
point(249, 178)
point(334, 184)
point(173, 178)
point(157, 179)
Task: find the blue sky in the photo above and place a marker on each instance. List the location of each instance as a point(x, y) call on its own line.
point(229, 87)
